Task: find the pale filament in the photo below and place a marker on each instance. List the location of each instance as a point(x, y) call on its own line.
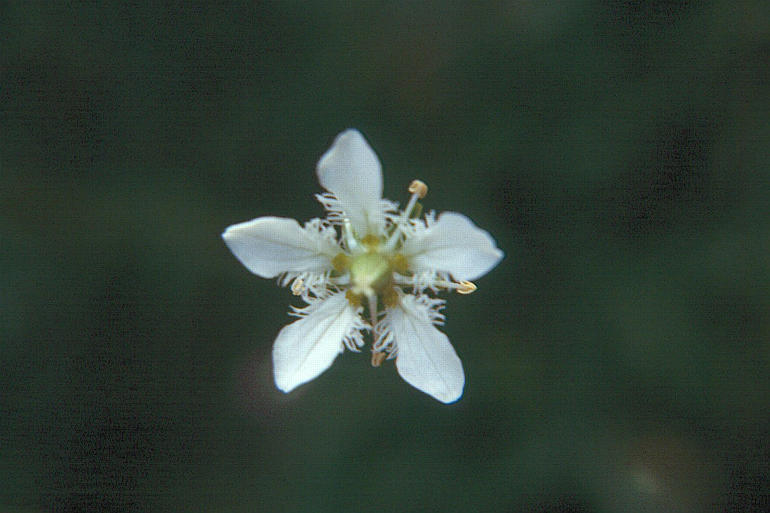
point(350, 239)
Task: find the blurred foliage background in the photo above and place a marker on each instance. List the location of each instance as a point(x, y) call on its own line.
point(617, 360)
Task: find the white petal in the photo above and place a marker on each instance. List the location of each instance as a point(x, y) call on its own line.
point(307, 347)
point(352, 172)
point(269, 246)
point(425, 358)
point(454, 245)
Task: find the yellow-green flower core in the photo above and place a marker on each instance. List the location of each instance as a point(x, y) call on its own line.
point(371, 272)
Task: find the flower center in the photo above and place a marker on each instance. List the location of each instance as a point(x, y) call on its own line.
point(370, 273)
point(374, 260)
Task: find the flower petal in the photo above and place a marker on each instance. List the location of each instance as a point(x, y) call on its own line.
point(269, 246)
point(424, 357)
point(307, 347)
point(352, 172)
point(454, 245)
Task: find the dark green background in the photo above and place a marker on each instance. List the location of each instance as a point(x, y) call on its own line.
point(617, 359)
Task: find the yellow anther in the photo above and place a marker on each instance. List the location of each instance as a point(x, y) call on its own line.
point(399, 263)
point(341, 262)
point(353, 298)
point(389, 297)
point(466, 287)
point(419, 188)
point(371, 241)
point(377, 358)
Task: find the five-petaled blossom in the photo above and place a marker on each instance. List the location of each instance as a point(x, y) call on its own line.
point(367, 260)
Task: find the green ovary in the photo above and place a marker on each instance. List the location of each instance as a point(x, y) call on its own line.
point(370, 273)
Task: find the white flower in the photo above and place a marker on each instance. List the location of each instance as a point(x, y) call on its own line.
point(367, 268)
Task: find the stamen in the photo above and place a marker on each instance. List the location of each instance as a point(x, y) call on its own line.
point(462, 287)
point(377, 358)
point(416, 211)
point(373, 313)
point(373, 320)
point(418, 187)
point(298, 287)
point(466, 287)
point(418, 190)
point(350, 239)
